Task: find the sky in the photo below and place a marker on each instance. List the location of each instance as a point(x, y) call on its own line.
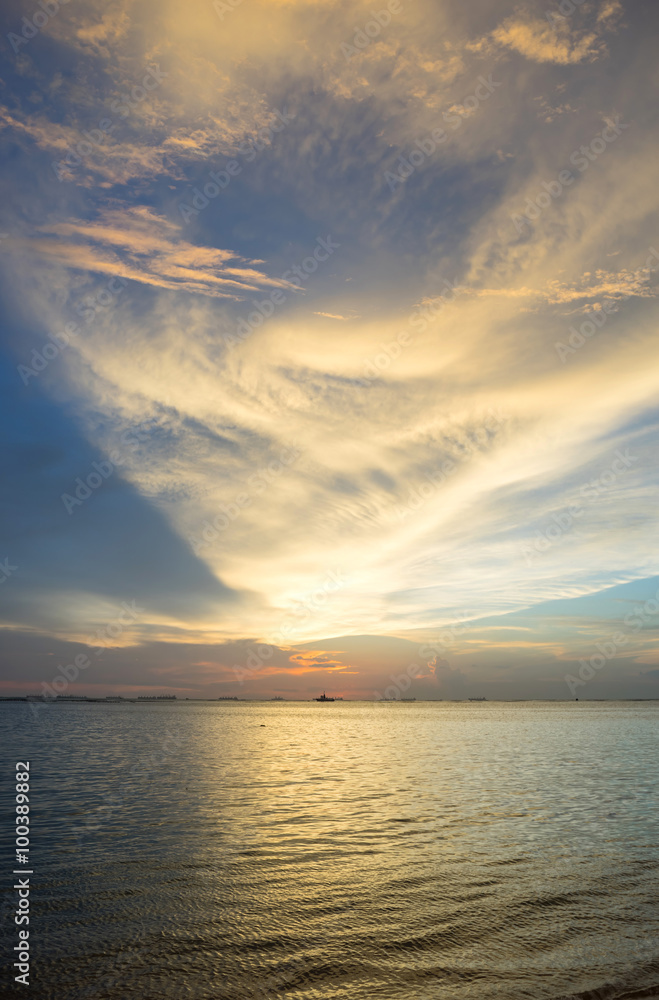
point(329, 354)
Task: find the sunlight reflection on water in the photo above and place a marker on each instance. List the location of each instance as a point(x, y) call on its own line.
point(391, 850)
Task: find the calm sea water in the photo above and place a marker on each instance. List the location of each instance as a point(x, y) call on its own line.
point(392, 850)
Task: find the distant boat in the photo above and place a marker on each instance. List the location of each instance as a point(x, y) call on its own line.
point(323, 697)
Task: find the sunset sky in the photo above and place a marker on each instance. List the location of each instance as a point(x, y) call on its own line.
point(330, 332)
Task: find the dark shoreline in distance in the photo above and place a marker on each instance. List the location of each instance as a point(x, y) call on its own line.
point(159, 700)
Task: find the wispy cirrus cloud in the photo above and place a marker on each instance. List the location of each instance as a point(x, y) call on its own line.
point(402, 478)
point(138, 244)
point(616, 285)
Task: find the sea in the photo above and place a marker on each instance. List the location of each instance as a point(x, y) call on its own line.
point(339, 851)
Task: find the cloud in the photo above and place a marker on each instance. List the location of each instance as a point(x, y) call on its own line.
point(557, 38)
point(617, 286)
point(538, 41)
point(403, 484)
point(139, 245)
point(610, 10)
point(550, 113)
point(104, 35)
